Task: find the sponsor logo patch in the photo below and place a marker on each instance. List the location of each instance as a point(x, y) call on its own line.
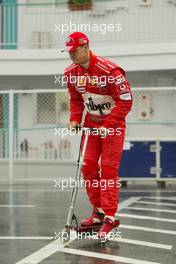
point(126, 96)
point(91, 106)
point(119, 79)
point(81, 89)
point(81, 81)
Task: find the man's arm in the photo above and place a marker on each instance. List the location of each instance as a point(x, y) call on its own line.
point(76, 104)
point(121, 93)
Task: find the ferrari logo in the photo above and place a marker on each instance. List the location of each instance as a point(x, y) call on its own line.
point(93, 80)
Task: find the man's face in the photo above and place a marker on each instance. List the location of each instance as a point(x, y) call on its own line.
point(80, 55)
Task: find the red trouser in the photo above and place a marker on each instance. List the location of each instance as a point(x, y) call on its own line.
point(101, 179)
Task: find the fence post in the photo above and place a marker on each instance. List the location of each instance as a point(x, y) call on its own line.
point(11, 131)
point(158, 165)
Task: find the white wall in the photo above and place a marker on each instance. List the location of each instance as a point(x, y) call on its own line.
point(139, 24)
point(162, 78)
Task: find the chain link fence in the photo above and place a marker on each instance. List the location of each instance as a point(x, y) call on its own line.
point(154, 106)
point(34, 128)
point(4, 126)
point(39, 115)
point(153, 114)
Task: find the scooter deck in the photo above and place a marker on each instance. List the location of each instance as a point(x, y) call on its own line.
point(94, 228)
point(88, 233)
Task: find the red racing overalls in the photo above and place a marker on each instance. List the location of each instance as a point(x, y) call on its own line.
point(105, 93)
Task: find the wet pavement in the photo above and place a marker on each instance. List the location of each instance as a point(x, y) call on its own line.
point(32, 214)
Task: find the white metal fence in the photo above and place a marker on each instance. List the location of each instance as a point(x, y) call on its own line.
point(39, 26)
point(30, 121)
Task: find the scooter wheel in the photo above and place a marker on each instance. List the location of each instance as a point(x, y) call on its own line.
point(65, 235)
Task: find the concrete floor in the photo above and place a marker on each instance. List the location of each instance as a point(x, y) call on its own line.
point(32, 214)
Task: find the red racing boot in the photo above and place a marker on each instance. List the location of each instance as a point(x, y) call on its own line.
point(92, 223)
point(94, 219)
point(107, 228)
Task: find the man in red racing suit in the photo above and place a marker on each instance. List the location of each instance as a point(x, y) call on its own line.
point(100, 86)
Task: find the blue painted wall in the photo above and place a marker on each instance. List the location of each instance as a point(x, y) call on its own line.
point(9, 18)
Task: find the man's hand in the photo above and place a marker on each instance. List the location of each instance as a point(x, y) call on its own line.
point(74, 125)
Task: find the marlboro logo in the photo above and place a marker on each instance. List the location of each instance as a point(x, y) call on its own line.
point(91, 106)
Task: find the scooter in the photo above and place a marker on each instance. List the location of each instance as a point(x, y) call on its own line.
point(72, 226)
